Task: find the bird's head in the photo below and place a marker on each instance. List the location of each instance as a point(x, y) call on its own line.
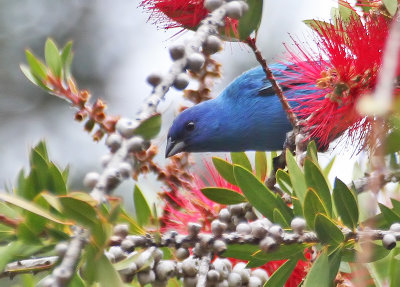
point(193, 130)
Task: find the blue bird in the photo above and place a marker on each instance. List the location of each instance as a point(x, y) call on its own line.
point(247, 115)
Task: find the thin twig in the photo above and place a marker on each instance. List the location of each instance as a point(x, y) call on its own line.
point(29, 266)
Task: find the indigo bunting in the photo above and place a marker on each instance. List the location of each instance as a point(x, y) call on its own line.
point(247, 115)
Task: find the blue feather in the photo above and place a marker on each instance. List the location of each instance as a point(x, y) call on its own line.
point(247, 115)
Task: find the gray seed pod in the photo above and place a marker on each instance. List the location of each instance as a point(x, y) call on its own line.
point(243, 228)
point(240, 268)
point(234, 280)
point(114, 141)
point(224, 215)
point(219, 246)
point(121, 230)
point(395, 227)
point(158, 255)
point(195, 62)
point(112, 177)
point(118, 253)
point(223, 283)
point(211, 5)
point(127, 245)
point(165, 269)
point(218, 227)
point(298, 225)
point(250, 215)
point(145, 261)
point(91, 179)
point(105, 160)
point(212, 44)
point(258, 229)
point(222, 268)
point(48, 281)
point(212, 276)
point(126, 127)
point(255, 282)
point(137, 240)
point(154, 79)
point(189, 282)
point(261, 274)
point(190, 267)
point(275, 231)
point(61, 248)
point(135, 144)
point(177, 51)
point(193, 228)
point(236, 220)
point(110, 257)
point(268, 244)
point(130, 270)
point(205, 239)
point(182, 253)
point(234, 10)
point(389, 241)
point(266, 222)
point(236, 209)
point(62, 275)
point(125, 169)
point(199, 250)
point(146, 277)
point(159, 283)
point(245, 7)
point(181, 81)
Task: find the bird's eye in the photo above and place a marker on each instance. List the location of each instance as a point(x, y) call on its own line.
point(190, 126)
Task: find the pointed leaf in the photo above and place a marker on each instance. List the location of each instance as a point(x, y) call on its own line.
point(79, 210)
point(316, 25)
point(390, 216)
point(66, 59)
point(346, 204)
point(281, 275)
point(106, 273)
point(318, 276)
point(261, 165)
point(38, 69)
point(240, 158)
point(150, 127)
point(31, 207)
point(225, 169)
point(251, 20)
point(391, 6)
point(327, 230)
point(255, 191)
point(143, 211)
point(375, 251)
point(394, 274)
point(334, 263)
point(312, 151)
point(223, 195)
point(312, 206)
point(31, 77)
point(240, 251)
point(283, 180)
point(53, 58)
point(279, 219)
point(296, 177)
point(316, 180)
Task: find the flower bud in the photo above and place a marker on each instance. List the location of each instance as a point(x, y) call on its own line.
point(395, 227)
point(126, 127)
point(211, 5)
point(154, 79)
point(234, 10)
point(195, 62)
point(254, 282)
point(243, 228)
point(181, 81)
point(234, 280)
point(298, 225)
point(268, 244)
point(91, 179)
point(389, 241)
point(146, 277)
point(182, 253)
point(114, 141)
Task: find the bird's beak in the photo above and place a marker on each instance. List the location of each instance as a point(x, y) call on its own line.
point(174, 147)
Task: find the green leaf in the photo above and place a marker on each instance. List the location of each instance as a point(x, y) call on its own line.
point(334, 263)
point(392, 143)
point(285, 210)
point(56, 182)
point(66, 59)
point(346, 11)
point(225, 169)
point(281, 275)
point(316, 180)
point(283, 180)
point(143, 211)
point(123, 264)
point(150, 127)
point(328, 167)
point(396, 205)
point(31, 207)
point(279, 219)
point(312, 151)
point(106, 273)
point(318, 276)
point(261, 165)
point(296, 177)
point(390, 216)
point(31, 77)
point(41, 149)
point(38, 69)
point(394, 273)
point(312, 206)
point(240, 158)
point(255, 191)
point(283, 252)
point(223, 195)
point(391, 6)
point(241, 251)
point(346, 204)
point(53, 58)
point(251, 20)
point(327, 230)
point(79, 210)
point(317, 25)
point(375, 251)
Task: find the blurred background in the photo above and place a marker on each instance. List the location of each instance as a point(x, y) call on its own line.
point(115, 49)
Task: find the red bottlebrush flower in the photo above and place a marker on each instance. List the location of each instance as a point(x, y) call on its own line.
point(192, 206)
point(169, 14)
point(345, 70)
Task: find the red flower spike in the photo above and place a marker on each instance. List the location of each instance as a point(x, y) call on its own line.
point(193, 206)
point(169, 14)
point(353, 52)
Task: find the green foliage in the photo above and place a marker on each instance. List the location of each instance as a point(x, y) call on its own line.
point(281, 275)
point(143, 211)
point(223, 195)
point(225, 169)
point(150, 127)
